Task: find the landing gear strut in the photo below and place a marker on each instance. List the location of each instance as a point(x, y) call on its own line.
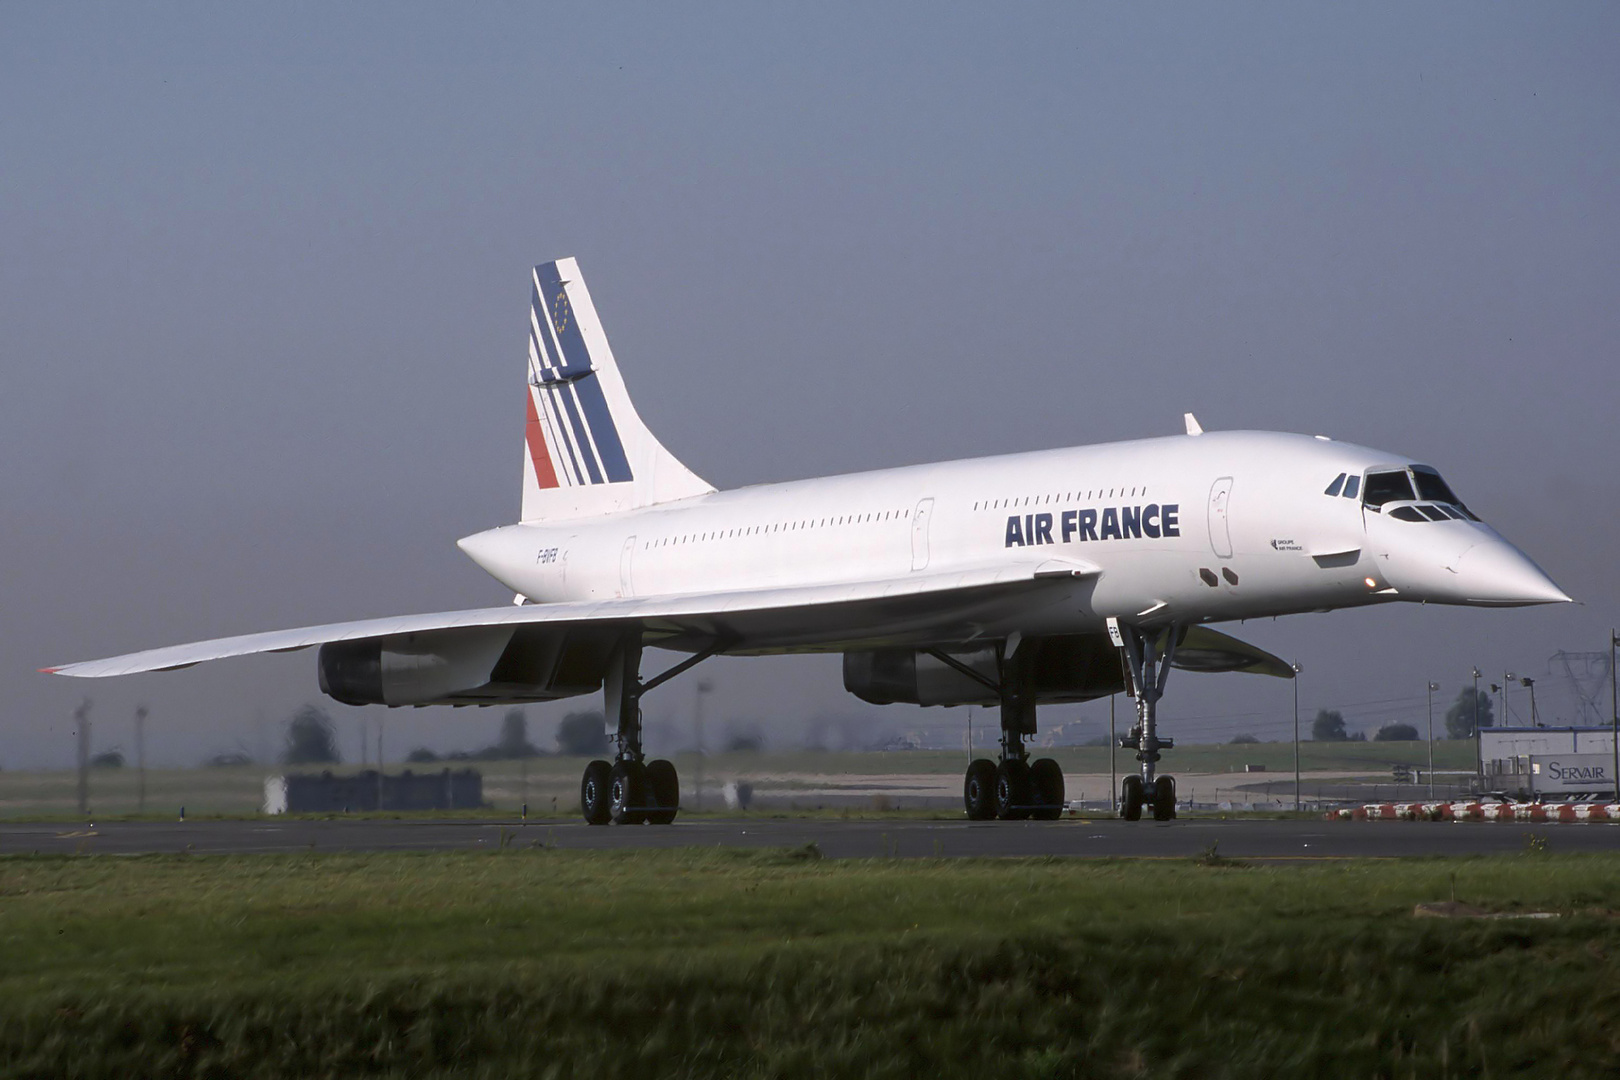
point(1014, 787)
point(632, 790)
point(1148, 657)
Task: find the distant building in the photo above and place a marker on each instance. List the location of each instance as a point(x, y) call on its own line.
point(1505, 742)
point(297, 793)
point(1550, 761)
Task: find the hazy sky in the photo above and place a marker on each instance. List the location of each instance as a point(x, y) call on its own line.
point(263, 289)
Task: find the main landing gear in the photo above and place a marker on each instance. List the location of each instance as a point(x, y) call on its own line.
point(632, 790)
point(1014, 787)
point(1148, 658)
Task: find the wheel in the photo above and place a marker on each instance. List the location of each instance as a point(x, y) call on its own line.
point(593, 793)
point(1013, 790)
point(627, 793)
point(665, 787)
point(1131, 799)
point(1164, 798)
point(1046, 777)
point(979, 790)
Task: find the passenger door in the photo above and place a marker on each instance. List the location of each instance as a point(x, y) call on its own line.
point(626, 581)
point(919, 534)
point(1220, 529)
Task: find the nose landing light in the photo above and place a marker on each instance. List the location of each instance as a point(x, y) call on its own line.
point(1379, 588)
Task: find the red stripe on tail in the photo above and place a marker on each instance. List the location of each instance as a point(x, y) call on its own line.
point(535, 435)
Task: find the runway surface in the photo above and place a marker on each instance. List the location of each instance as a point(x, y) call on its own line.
point(1079, 838)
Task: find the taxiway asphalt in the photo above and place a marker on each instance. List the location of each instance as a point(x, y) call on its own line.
point(906, 838)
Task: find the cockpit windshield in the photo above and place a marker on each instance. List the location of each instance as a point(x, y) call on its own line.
point(1384, 487)
point(1430, 486)
point(1418, 483)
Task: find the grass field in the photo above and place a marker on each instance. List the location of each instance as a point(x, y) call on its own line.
point(539, 781)
point(535, 962)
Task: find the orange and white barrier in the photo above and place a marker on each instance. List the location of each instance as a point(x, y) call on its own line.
point(1540, 813)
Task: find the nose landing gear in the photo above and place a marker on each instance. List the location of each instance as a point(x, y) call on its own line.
point(1148, 657)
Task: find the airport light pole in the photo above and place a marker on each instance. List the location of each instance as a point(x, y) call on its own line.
point(1479, 745)
point(1530, 684)
point(81, 716)
point(1113, 782)
point(1507, 677)
point(140, 758)
point(1433, 686)
point(1614, 710)
point(703, 687)
point(1297, 669)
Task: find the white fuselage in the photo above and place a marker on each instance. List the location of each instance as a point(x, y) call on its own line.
point(1184, 529)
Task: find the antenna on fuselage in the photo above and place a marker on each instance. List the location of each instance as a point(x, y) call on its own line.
point(1193, 426)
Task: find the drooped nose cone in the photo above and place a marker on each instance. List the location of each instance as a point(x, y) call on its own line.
point(1495, 572)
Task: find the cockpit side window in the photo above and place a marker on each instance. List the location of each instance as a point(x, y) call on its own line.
point(1430, 486)
point(1383, 487)
point(1333, 488)
point(1352, 487)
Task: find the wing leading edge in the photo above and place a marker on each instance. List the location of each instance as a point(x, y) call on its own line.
point(850, 613)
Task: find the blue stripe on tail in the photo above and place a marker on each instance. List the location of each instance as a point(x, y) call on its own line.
point(574, 365)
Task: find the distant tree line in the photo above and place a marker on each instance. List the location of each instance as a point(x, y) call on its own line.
point(309, 739)
point(1329, 725)
point(581, 734)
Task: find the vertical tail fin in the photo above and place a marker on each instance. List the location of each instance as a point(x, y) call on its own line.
point(588, 451)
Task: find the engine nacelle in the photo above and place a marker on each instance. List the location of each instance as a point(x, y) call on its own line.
point(464, 666)
point(1065, 669)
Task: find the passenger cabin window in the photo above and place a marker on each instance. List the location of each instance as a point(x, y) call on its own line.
point(1386, 487)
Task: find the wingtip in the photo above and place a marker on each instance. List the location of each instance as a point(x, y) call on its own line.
point(48, 670)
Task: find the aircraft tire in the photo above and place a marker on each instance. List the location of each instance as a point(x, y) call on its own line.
point(1164, 798)
point(1046, 777)
point(627, 793)
point(664, 785)
point(1131, 799)
point(979, 790)
point(1013, 790)
point(593, 793)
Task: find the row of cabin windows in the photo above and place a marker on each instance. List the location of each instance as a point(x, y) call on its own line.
point(1058, 497)
point(776, 527)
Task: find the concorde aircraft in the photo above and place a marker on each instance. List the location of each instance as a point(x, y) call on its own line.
point(1053, 576)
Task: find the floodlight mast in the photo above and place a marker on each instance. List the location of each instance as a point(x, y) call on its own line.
point(1433, 686)
point(1113, 743)
point(1297, 669)
point(1614, 711)
point(1479, 744)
